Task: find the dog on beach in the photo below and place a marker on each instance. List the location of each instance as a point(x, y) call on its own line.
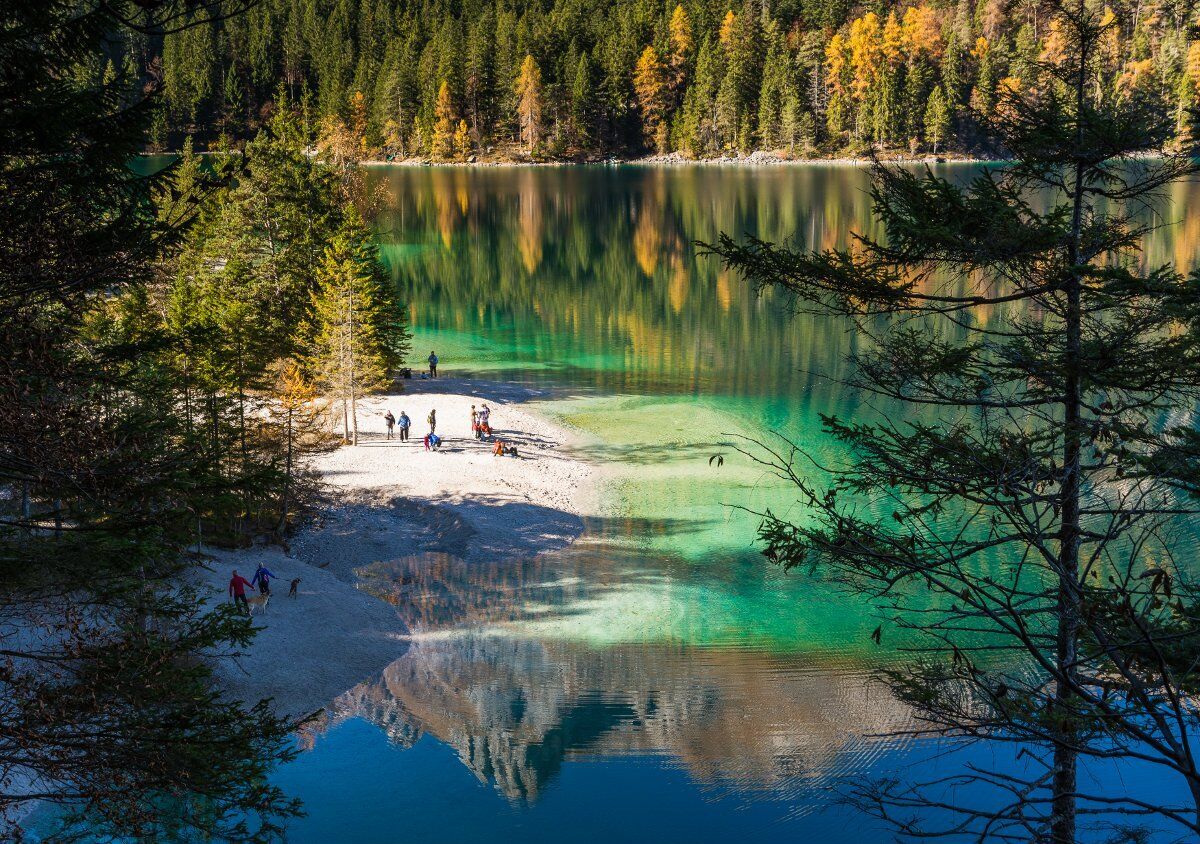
point(259, 601)
point(292, 591)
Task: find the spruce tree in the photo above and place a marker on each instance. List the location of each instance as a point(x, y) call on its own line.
point(352, 317)
point(1016, 522)
point(109, 708)
point(937, 118)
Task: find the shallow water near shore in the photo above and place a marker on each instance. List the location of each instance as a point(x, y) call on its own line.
point(657, 679)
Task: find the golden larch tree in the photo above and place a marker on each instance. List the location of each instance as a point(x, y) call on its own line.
point(650, 86)
point(681, 40)
point(442, 145)
point(462, 141)
point(728, 27)
point(529, 102)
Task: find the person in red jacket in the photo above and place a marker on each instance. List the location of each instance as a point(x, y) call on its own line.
point(237, 590)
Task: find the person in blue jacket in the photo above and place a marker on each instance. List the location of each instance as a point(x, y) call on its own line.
point(262, 577)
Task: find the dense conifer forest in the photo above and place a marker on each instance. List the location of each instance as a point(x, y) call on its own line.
point(561, 79)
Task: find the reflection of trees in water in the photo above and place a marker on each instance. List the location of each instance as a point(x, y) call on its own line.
point(514, 707)
point(602, 261)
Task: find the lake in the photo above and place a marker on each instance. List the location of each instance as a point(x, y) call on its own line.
point(657, 680)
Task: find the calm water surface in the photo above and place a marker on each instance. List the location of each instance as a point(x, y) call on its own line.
point(656, 681)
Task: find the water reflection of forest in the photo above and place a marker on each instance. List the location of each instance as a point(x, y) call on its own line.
point(601, 264)
point(515, 706)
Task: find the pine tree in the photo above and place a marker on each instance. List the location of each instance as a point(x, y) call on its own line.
point(349, 353)
point(118, 722)
point(937, 118)
point(233, 105)
point(808, 133)
point(698, 132)
point(789, 120)
point(1031, 508)
point(583, 102)
point(915, 98)
point(776, 83)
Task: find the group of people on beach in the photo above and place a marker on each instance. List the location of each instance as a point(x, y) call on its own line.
point(481, 423)
point(404, 423)
point(481, 429)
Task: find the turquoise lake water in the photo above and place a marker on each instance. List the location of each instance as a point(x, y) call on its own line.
point(657, 681)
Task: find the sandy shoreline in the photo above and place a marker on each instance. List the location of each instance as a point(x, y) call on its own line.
point(756, 159)
point(388, 501)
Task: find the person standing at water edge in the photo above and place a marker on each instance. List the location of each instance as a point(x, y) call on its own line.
point(432, 420)
point(433, 360)
point(237, 590)
point(405, 424)
point(391, 423)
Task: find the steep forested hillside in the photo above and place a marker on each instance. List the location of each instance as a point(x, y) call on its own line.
point(450, 79)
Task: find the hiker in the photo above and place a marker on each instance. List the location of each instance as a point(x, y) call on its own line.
point(432, 420)
point(474, 422)
point(391, 423)
point(262, 576)
point(237, 590)
point(432, 365)
point(405, 424)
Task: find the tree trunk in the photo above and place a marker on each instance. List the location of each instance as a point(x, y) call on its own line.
point(287, 474)
point(1063, 819)
point(26, 509)
point(353, 385)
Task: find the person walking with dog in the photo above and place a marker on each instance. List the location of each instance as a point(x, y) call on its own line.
point(262, 576)
point(391, 423)
point(405, 424)
point(237, 590)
